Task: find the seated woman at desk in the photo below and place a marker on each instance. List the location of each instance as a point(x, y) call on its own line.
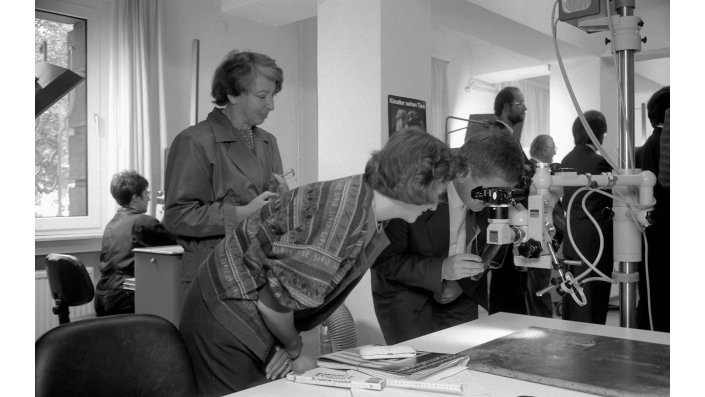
point(130, 228)
point(288, 266)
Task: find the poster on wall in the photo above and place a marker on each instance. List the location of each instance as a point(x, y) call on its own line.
point(406, 112)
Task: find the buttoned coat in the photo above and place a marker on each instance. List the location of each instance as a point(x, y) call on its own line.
point(210, 172)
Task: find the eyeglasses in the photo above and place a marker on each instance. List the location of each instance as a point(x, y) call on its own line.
point(518, 103)
point(289, 174)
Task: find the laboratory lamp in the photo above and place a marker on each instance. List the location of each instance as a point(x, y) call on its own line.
point(51, 83)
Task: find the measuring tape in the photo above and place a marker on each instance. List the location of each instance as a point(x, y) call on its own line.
point(346, 381)
point(343, 381)
point(452, 388)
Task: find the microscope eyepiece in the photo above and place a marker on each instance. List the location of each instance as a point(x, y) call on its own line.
point(498, 196)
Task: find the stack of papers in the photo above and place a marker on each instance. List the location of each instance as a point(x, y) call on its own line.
point(359, 383)
point(422, 366)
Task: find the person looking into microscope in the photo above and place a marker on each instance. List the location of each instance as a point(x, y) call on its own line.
point(423, 282)
point(585, 160)
point(224, 168)
point(289, 265)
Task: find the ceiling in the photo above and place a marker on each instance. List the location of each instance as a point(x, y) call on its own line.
point(530, 20)
point(271, 12)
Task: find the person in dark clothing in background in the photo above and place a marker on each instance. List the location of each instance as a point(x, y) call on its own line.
point(130, 228)
point(542, 150)
point(584, 159)
point(510, 111)
point(658, 234)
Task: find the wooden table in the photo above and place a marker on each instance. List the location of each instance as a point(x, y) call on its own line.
point(466, 336)
point(158, 281)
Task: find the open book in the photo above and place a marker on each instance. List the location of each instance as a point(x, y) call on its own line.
point(423, 365)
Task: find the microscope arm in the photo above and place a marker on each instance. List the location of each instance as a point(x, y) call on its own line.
point(627, 225)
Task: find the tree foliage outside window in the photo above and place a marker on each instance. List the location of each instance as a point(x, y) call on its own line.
point(60, 144)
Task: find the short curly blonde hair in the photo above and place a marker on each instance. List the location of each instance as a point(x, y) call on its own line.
point(412, 166)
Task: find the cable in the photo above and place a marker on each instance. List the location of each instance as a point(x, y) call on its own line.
point(554, 24)
point(590, 265)
point(648, 284)
point(587, 280)
point(630, 204)
point(593, 265)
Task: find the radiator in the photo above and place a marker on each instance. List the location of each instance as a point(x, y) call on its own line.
point(44, 318)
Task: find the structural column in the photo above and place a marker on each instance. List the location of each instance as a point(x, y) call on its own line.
point(367, 50)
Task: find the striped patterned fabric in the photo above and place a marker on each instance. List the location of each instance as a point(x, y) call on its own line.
point(303, 247)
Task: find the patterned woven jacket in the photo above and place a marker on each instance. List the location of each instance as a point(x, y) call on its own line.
point(306, 250)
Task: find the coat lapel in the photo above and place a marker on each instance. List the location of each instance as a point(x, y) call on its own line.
point(438, 232)
point(243, 158)
point(237, 150)
point(262, 148)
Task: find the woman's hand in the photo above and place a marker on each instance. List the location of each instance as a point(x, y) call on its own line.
point(279, 365)
point(303, 364)
point(261, 200)
point(279, 184)
point(256, 204)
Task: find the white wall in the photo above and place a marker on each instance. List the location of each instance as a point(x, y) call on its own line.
point(367, 50)
point(406, 53)
point(584, 75)
point(349, 81)
point(469, 57)
point(308, 102)
point(218, 34)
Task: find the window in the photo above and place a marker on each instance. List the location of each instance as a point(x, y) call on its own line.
point(60, 130)
point(68, 144)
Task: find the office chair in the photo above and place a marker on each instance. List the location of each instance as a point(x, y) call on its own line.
point(341, 329)
point(120, 355)
point(69, 282)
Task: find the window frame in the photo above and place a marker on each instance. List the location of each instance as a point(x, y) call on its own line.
point(97, 58)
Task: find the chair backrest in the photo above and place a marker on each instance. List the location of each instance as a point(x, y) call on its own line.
point(120, 355)
point(341, 329)
point(69, 280)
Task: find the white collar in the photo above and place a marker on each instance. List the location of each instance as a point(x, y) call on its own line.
point(454, 200)
point(509, 127)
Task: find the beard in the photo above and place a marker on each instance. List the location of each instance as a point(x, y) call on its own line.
point(516, 118)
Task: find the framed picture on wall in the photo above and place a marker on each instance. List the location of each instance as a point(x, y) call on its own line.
point(405, 112)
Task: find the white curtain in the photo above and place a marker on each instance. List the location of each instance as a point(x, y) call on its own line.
point(135, 89)
point(537, 99)
point(438, 108)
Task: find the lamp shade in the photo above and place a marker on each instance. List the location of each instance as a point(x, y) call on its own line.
point(51, 84)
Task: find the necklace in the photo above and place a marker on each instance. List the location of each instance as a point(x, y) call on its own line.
point(249, 138)
point(245, 132)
